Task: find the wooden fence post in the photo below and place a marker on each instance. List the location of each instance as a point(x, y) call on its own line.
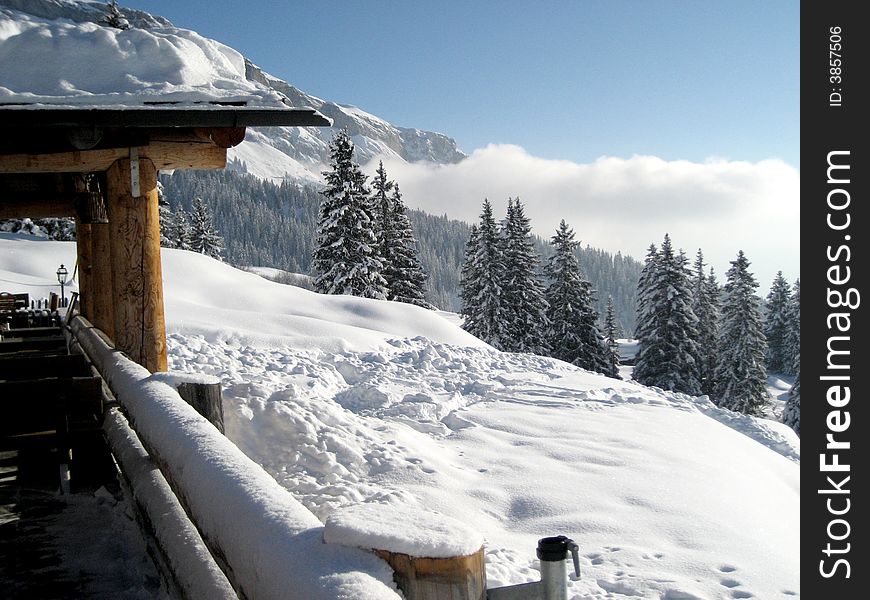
point(433, 556)
point(202, 392)
point(206, 399)
point(453, 578)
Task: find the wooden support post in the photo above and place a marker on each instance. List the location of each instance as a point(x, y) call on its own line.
point(84, 249)
point(140, 328)
point(101, 305)
point(455, 578)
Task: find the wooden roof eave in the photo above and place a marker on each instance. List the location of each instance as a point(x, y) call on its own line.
point(81, 140)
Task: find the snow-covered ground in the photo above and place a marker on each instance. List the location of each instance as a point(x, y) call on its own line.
point(347, 401)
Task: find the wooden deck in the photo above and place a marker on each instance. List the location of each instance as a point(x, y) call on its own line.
point(64, 533)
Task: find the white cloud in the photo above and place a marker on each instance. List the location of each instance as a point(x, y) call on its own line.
point(619, 204)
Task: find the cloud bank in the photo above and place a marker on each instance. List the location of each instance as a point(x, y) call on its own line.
point(617, 204)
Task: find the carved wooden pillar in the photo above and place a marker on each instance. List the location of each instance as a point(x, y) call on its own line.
point(140, 328)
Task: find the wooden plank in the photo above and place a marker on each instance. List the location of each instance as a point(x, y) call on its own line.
point(140, 328)
point(164, 155)
point(36, 405)
point(38, 332)
point(11, 345)
point(41, 207)
point(31, 367)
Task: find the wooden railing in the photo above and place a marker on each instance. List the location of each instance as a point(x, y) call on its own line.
point(265, 541)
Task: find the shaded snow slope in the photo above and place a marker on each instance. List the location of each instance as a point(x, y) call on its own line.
point(346, 401)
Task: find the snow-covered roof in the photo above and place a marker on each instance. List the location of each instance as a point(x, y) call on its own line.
point(85, 69)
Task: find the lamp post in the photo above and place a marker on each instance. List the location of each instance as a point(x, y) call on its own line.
point(61, 279)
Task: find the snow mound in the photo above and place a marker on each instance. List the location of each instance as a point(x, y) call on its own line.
point(351, 402)
point(61, 62)
point(420, 533)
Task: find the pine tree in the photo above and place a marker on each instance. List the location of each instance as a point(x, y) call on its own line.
point(611, 334)
point(167, 218)
point(644, 322)
point(793, 334)
point(398, 247)
point(523, 293)
point(791, 414)
point(182, 236)
point(405, 277)
point(741, 379)
point(347, 259)
point(573, 322)
point(667, 325)
point(482, 280)
point(204, 237)
point(776, 325)
point(382, 213)
point(705, 304)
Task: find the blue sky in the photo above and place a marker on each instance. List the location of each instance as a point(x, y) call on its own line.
point(683, 80)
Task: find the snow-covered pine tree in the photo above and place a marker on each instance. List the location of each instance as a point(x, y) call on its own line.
point(667, 326)
point(469, 282)
point(523, 293)
point(382, 213)
point(644, 321)
point(791, 414)
point(793, 335)
point(167, 218)
point(346, 259)
point(573, 322)
point(705, 303)
point(612, 333)
point(203, 236)
point(182, 236)
point(398, 247)
point(481, 282)
point(405, 277)
point(741, 379)
point(776, 325)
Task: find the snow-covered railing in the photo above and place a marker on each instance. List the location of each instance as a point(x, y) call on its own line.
point(268, 544)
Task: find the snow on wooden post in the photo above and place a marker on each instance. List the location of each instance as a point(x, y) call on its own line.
point(433, 556)
point(140, 328)
point(202, 392)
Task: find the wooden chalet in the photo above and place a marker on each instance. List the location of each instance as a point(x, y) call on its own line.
point(99, 165)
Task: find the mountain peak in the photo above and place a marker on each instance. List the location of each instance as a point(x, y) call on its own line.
point(271, 153)
point(371, 135)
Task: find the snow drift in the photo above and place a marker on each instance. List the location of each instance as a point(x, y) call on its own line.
point(347, 401)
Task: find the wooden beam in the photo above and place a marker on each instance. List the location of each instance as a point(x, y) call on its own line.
point(41, 208)
point(164, 155)
point(36, 195)
point(140, 328)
